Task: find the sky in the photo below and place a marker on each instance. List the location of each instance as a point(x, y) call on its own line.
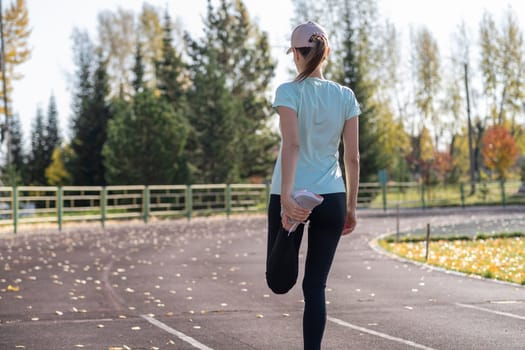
point(50, 68)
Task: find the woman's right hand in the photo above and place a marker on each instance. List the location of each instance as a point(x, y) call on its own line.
point(293, 210)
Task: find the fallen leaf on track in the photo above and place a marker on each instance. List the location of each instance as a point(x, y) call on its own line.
point(11, 288)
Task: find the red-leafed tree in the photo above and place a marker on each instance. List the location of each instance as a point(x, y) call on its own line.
point(499, 150)
point(443, 164)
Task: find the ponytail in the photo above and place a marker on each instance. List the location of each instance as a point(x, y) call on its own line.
point(314, 56)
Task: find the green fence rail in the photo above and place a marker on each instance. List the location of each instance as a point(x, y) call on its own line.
point(415, 195)
point(60, 205)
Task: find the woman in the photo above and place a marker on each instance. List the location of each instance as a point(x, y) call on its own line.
point(314, 113)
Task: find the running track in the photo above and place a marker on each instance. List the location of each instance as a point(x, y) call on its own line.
point(200, 285)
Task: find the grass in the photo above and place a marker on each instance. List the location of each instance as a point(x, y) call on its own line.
point(500, 256)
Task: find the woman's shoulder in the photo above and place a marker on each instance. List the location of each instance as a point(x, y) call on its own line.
point(341, 87)
point(287, 85)
point(287, 88)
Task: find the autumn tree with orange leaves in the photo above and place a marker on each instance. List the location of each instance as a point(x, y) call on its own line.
point(499, 150)
point(443, 165)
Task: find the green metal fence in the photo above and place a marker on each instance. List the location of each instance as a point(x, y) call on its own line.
point(415, 195)
point(59, 205)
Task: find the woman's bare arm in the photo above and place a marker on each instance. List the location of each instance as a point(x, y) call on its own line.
point(289, 156)
point(351, 160)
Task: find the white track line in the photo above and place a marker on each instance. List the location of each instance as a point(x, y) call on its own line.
point(501, 313)
point(379, 334)
point(176, 333)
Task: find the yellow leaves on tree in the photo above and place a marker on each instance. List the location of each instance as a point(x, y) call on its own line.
point(499, 150)
point(56, 172)
point(425, 146)
point(16, 34)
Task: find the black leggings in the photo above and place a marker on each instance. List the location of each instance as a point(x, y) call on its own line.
point(326, 225)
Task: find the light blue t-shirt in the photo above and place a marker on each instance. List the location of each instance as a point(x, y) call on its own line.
point(322, 108)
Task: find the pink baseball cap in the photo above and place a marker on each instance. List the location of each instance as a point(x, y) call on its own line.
point(303, 32)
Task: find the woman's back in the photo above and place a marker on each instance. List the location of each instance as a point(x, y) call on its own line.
point(322, 108)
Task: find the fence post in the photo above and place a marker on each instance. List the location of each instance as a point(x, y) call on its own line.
point(423, 204)
point(383, 178)
point(189, 201)
point(103, 203)
point(60, 208)
point(397, 222)
point(427, 242)
point(228, 200)
point(15, 209)
point(383, 195)
point(145, 204)
point(503, 195)
point(462, 190)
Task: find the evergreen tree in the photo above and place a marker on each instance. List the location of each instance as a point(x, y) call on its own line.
point(15, 173)
point(215, 130)
point(241, 52)
point(100, 115)
point(18, 156)
point(38, 160)
point(138, 70)
point(44, 139)
point(83, 51)
point(52, 133)
point(91, 114)
point(172, 83)
point(169, 69)
point(145, 139)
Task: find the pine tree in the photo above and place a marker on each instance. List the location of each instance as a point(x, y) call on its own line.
point(172, 81)
point(38, 160)
point(169, 69)
point(138, 70)
point(215, 129)
point(83, 55)
point(52, 133)
point(100, 114)
point(16, 172)
point(17, 144)
point(241, 52)
point(91, 114)
point(145, 139)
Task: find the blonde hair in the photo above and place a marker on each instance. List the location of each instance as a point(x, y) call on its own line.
point(314, 56)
